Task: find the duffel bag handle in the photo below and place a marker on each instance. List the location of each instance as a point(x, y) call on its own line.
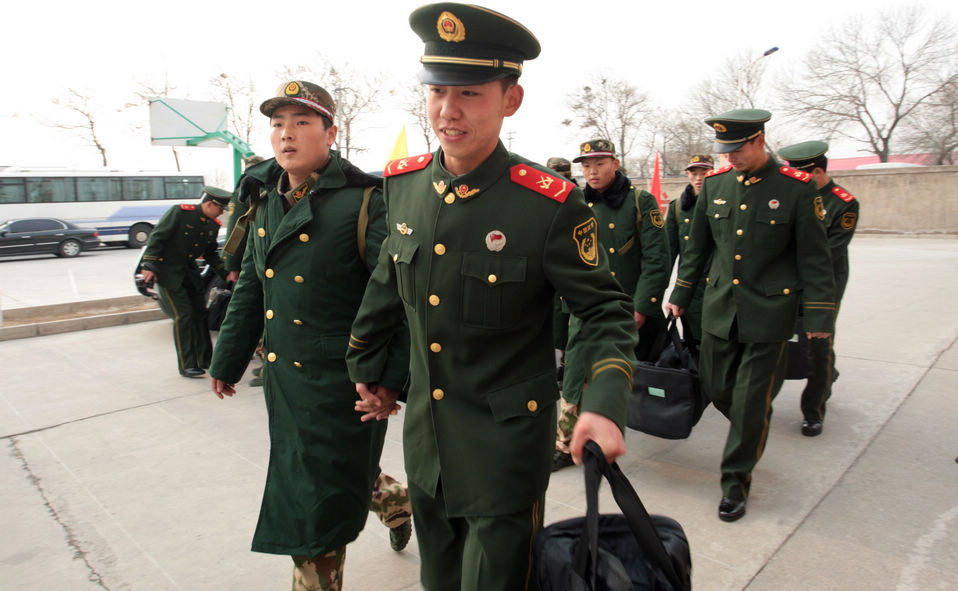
point(635, 513)
point(682, 344)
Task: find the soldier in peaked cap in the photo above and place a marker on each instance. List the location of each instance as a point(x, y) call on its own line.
point(185, 233)
point(631, 230)
point(678, 221)
point(315, 226)
point(761, 224)
point(479, 242)
point(841, 217)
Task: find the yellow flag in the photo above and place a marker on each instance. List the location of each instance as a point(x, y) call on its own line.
point(399, 149)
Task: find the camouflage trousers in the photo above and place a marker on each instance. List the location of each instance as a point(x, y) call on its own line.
point(390, 502)
point(568, 415)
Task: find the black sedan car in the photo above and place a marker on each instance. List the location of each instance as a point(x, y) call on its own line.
point(45, 236)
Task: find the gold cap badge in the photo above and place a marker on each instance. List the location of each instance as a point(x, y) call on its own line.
point(292, 89)
point(719, 127)
point(450, 28)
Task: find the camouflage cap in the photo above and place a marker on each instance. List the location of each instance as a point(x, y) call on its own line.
point(734, 128)
point(217, 195)
point(596, 148)
point(700, 161)
point(560, 165)
point(804, 155)
point(300, 92)
point(467, 44)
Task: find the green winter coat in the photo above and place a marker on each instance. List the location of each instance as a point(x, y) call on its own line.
point(474, 261)
point(300, 286)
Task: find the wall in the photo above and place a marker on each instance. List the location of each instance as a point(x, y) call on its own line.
point(901, 200)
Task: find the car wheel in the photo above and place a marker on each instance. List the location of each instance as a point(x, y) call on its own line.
point(139, 234)
point(69, 248)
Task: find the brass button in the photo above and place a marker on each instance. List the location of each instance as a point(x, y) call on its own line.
point(735, 282)
point(612, 250)
point(304, 237)
point(611, 226)
point(740, 231)
point(189, 256)
point(395, 257)
point(449, 199)
point(613, 273)
point(297, 364)
point(261, 232)
point(716, 216)
point(269, 273)
point(298, 279)
point(438, 394)
point(772, 222)
point(747, 183)
point(743, 207)
point(435, 347)
point(591, 204)
point(434, 300)
point(271, 357)
point(653, 300)
point(196, 244)
point(686, 237)
point(298, 322)
point(707, 279)
point(532, 405)
point(492, 278)
point(687, 220)
point(738, 257)
point(439, 249)
point(269, 314)
point(786, 291)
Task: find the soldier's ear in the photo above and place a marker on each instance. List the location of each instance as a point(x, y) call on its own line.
point(513, 98)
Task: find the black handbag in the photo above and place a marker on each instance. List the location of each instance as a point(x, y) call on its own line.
point(633, 551)
point(667, 398)
point(798, 353)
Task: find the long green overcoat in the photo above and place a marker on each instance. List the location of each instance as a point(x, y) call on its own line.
point(300, 286)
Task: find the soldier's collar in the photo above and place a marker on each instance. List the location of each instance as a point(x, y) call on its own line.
point(473, 182)
point(294, 194)
point(756, 176)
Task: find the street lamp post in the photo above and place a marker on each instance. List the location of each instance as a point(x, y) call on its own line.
point(745, 78)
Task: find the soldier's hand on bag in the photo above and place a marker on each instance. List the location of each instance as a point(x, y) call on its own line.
point(376, 402)
point(232, 276)
point(221, 388)
point(148, 276)
point(674, 310)
point(818, 335)
point(602, 430)
point(639, 319)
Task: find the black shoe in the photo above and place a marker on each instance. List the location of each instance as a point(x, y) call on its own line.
point(730, 509)
point(192, 372)
point(561, 460)
point(399, 535)
point(811, 428)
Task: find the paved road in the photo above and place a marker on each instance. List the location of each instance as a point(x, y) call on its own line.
point(119, 474)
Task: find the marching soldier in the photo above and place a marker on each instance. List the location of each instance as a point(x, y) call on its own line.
point(479, 242)
point(761, 224)
point(841, 218)
point(185, 233)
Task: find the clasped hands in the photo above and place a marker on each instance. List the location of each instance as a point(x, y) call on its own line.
point(376, 401)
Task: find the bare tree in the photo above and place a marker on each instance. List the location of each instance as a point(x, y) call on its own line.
point(414, 103)
point(740, 83)
point(239, 95)
point(612, 109)
point(355, 95)
point(79, 105)
point(935, 129)
point(677, 134)
point(868, 78)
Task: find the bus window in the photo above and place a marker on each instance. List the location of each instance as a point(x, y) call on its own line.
point(183, 188)
point(50, 190)
point(12, 191)
point(98, 189)
point(141, 189)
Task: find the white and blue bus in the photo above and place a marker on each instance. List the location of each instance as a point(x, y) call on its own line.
point(122, 206)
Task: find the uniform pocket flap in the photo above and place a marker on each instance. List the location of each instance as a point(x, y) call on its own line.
point(772, 216)
point(402, 249)
point(492, 269)
point(525, 399)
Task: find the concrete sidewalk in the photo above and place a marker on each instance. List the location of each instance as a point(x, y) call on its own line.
point(119, 474)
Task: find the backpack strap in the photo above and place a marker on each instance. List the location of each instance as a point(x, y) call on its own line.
point(239, 230)
point(363, 222)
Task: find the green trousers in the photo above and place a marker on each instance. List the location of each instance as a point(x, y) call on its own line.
point(474, 553)
point(741, 380)
point(191, 333)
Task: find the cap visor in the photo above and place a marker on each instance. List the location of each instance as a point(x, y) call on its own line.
point(699, 165)
point(726, 148)
point(449, 77)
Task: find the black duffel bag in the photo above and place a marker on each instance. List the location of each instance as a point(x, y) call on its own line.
point(667, 398)
point(634, 551)
point(798, 353)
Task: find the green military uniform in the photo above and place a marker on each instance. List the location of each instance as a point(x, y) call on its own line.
point(182, 235)
point(238, 208)
point(302, 280)
point(841, 219)
point(560, 321)
point(678, 223)
point(769, 255)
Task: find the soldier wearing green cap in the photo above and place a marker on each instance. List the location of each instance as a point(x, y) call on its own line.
point(761, 224)
point(631, 230)
point(480, 240)
point(678, 221)
point(314, 228)
point(185, 233)
point(841, 218)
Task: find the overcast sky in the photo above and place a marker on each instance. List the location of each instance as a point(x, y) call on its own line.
point(107, 48)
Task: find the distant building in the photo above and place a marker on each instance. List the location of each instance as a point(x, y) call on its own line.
point(853, 163)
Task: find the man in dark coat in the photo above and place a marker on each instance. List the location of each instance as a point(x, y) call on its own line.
point(313, 236)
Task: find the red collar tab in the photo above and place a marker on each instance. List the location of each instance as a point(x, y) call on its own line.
point(187, 207)
point(716, 171)
point(795, 174)
point(408, 164)
point(843, 194)
point(543, 183)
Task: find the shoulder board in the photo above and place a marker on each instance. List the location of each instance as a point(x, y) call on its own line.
point(795, 174)
point(409, 164)
point(218, 222)
point(843, 194)
point(187, 207)
point(716, 171)
point(543, 183)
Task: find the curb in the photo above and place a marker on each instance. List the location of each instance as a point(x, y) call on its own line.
point(24, 323)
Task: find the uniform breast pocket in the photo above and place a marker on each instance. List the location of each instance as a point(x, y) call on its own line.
point(491, 286)
point(402, 250)
point(718, 219)
point(773, 226)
